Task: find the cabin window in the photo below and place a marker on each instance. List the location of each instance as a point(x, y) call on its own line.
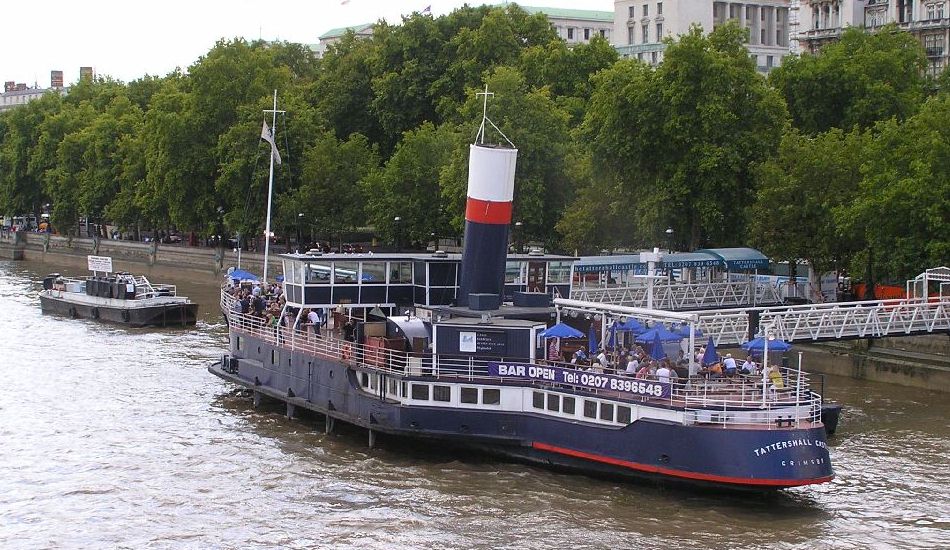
point(400, 272)
point(623, 414)
point(442, 274)
point(403, 392)
point(364, 379)
point(590, 408)
point(373, 381)
point(554, 402)
point(393, 387)
point(559, 273)
point(420, 392)
point(568, 405)
point(513, 273)
point(607, 412)
point(538, 400)
point(469, 395)
point(442, 393)
point(274, 357)
point(238, 343)
point(491, 396)
point(374, 273)
point(345, 273)
point(318, 273)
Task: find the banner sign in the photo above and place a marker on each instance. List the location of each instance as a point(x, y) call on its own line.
point(558, 375)
point(100, 263)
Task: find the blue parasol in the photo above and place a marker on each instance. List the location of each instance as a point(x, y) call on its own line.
point(632, 325)
point(592, 339)
point(612, 340)
point(683, 330)
point(242, 275)
point(656, 349)
point(562, 330)
point(710, 356)
point(759, 345)
point(662, 332)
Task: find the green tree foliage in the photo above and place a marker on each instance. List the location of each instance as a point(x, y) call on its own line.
point(408, 186)
point(682, 138)
point(903, 207)
point(857, 81)
point(801, 192)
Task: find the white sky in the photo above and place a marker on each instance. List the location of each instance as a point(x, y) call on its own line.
point(127, 39)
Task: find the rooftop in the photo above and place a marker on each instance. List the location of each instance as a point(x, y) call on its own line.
point(564, 13)
point(340, 31)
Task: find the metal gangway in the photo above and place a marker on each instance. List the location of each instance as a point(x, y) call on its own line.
point(682, 296)
point(832, 321)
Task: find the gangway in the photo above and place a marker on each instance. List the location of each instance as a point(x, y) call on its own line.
point(680, 296)
point(832, 321)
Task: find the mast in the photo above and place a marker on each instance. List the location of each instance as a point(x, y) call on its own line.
point(270, 183)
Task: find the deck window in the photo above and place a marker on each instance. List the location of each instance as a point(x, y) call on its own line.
point(554, 402)
point(374, 273)
point(568, 405)
point(491, 396)
point(318, 273)
point(607, 412)
point(400, 272)
point(590, 408)
point(420, 392)
point(469, 395)
point(538, 400)
point(345, 273)
point(442, 393)
point(274, 357)
point(364, 379)
point(403, 391)
point(623, 414)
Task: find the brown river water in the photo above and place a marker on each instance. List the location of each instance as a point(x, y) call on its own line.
point(120, 438)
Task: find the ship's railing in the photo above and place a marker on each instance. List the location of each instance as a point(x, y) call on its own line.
point(725, 401)
point(146, 289)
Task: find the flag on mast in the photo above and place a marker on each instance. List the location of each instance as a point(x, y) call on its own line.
point(269, 138)
point(428, 9)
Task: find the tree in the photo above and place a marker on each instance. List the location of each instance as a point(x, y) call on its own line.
point(539, 129)
point(903, 208)
point(861, 79)
point(682, 138)
point(408, 186)
point(800, 193)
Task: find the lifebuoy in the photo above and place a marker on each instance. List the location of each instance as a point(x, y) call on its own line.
point(72, 312)
point(126, 315)
point(95, 313)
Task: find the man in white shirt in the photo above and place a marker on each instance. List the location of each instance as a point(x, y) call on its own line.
point(663, 374)
point(313, 318)
point(633, 365)
point(729, 365)
point(748, 367)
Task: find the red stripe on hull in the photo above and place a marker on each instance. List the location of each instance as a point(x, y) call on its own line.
point(495, 213)
point(679, 473)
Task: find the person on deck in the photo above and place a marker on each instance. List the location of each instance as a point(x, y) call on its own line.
point(313, 319)
point(663, 374)
point(748, 367)
point(729, 365)
point(633, 365)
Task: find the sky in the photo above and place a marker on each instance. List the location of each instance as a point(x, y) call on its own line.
point(128, 39)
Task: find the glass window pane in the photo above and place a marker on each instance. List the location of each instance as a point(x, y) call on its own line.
point(374, 273)
point(400, 272)
point(607, 411)
point(345, 272)
point(442, 393)
point(623, 414)
point(420, 391)
point(469, 395)
point(318, 273)
point(538, 400)
point(590, 409)
point(491, 397)
point(568, 405)
point(554, 402)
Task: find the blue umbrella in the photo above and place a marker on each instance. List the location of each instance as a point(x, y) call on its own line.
point(659, 330)
point(592, 339)
point(612, 341)
point(632, 325)
point(683, 330)
point(710, 356)
point(562, 330)
point(656, 349)
point(242, 275)
point(759, 345)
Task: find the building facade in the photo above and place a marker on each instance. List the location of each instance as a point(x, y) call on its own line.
point(333, 36)
point(577, 26)
point(17, 94)
point(641, 25)
point(823, 21)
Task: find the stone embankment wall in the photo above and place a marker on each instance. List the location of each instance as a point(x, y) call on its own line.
point(126, 255)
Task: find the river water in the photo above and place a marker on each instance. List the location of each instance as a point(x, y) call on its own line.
point(120, 438)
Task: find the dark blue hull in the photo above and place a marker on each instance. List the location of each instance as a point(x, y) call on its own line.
point(736, 458)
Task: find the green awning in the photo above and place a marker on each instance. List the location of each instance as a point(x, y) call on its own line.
point(739, 259)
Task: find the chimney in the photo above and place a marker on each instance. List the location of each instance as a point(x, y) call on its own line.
point(56, 79)
point(491, 186)
point(86, 74)
point(9, 86)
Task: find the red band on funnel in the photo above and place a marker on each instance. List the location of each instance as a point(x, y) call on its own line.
point(480, 211)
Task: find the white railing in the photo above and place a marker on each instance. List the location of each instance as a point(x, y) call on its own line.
point(733, 400)
point(683, 296)
point(833, 321)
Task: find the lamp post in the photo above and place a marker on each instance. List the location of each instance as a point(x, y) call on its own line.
point(299, 221)
point(220, 228)
point(669, 239)
point(518, 229)
point(396, 228)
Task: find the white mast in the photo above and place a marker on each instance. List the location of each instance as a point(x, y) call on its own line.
point(270, 185)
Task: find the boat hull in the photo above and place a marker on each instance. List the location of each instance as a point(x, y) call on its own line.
point(124, 312)
point(708, 455)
